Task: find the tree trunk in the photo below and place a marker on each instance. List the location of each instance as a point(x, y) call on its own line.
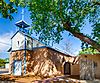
point(82, 37)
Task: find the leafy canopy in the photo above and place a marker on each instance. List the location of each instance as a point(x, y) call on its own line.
point(49, 16)
point(96, 32)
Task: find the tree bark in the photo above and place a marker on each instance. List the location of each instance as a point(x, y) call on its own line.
point(82, 37)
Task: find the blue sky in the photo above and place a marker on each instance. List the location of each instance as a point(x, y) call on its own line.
point(8, 28)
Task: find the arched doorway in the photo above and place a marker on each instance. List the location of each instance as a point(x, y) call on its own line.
point(67, 68)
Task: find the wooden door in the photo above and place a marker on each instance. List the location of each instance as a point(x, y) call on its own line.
point(67, 68)
point(17, 68)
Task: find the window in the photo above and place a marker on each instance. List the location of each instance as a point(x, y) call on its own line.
point(18, 43)
point(28, 42)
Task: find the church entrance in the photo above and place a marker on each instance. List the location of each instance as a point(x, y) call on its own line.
point(67, 68)
point(17, 68)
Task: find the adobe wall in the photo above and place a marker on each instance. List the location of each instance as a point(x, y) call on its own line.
point(75, 69)
point(41, 62)
point(92, 63)
point(59, 59)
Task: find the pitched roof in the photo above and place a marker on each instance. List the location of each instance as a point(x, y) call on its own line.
point(59, 51)
point(28, 36)
point(22, 24)
point(21, 33)
point(40, 42)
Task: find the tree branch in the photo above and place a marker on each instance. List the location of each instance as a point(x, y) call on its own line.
point(82, 37)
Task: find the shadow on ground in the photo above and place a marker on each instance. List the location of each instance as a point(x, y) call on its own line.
point(6, 78)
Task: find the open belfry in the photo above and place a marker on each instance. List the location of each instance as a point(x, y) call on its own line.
point(29, 56)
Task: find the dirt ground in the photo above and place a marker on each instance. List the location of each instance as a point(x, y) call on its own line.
point(19, 79)
point(37, 79)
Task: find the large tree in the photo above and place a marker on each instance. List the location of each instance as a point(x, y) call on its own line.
point(52, 17)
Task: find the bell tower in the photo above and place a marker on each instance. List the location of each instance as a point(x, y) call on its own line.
point(22, 41)
point(22, 25)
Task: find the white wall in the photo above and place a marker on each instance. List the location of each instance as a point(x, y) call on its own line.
point(18, 41)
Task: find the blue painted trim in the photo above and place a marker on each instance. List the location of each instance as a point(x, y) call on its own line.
point(21, 50)
point(32, 44)
point(22, 24)
point(11, 45)
point(22, 33)
point(29, 49)
point(25, 56)
point(39, 47)
point(14, 34)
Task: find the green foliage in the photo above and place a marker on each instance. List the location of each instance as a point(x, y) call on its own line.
point(96, 32)
point(88, 51)
point(2, 62)
point(49, 16)
point(7, 60)
point(6, 9)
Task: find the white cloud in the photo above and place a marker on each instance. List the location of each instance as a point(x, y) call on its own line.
point(5, 41)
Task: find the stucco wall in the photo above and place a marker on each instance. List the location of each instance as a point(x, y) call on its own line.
point(41, 61)
point(96, 63)
point(75, 70)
